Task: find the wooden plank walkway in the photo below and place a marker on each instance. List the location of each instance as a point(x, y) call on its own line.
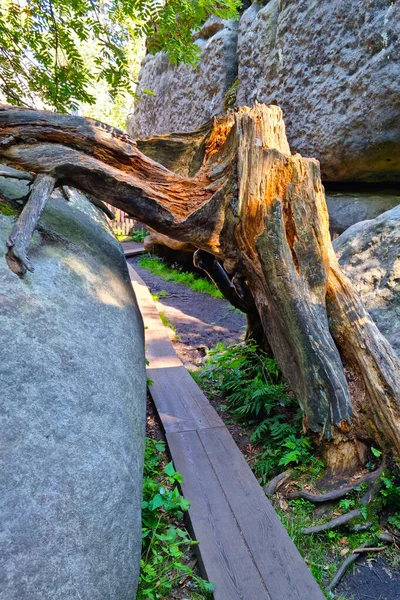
point(244, 549)
point(132, 249)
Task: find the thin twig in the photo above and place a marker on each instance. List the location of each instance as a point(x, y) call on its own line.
point(364, 548)
point(374, 549)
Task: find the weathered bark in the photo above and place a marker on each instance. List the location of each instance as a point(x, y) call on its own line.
point(21, 234)
point(209, 264)
point(261, 211)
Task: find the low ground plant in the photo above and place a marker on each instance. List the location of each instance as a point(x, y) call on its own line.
point(167, 273)
point(166, 543)
point(136, 235)
point(167, 323)
point(253, 391)
point(139, 235)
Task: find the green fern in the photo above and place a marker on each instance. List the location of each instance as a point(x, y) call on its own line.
point(256, 395)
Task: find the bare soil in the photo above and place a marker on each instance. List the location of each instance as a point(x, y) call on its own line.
point(371, 578)
point(200, 320)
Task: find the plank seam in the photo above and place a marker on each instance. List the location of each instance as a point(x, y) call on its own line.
point(232, 511)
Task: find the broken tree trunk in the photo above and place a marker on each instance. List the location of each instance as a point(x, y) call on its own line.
point(242, 197)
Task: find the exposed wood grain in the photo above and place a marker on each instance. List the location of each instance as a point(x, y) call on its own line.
point(260, 211)
point(224, 554)
point(269, 544)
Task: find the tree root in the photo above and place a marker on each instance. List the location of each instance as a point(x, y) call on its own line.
point(383, 537)
point(337, 522)
point(338, 493)
point(276, 482)
point(343, 519)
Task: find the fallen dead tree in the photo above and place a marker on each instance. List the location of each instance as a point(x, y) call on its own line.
point(234, 191)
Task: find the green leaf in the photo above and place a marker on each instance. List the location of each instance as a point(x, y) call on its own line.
point(375, 452)
point(156, 502)
point(364, 511)
point(169, 469)
point(289, 457)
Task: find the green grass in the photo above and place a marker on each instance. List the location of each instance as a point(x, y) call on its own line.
point(199, 284)
point(166, 543)
point(167, 323)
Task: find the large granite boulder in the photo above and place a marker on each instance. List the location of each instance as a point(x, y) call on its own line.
point(334, 69)
point(369, 254)
point(186, 97)
point(72, 380)
point(347, 208)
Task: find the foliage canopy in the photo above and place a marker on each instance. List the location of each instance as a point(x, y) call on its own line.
point(43, 44)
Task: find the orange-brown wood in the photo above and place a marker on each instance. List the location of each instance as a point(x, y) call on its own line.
point(242, 197)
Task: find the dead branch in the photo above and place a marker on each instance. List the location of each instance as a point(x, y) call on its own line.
point(353, 557)
point(15, 174)
point(261, 210)
point(209, 264)
point(21, 234)
point(367, 549)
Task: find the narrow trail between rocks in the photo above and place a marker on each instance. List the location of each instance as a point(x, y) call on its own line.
point(200, 320)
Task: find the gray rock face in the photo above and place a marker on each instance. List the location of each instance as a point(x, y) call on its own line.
point(334, 69)
point(369, 254)
point(72, 382)
point(345, 209)
point(185, 97)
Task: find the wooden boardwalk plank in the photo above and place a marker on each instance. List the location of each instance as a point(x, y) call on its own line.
point(132, 249)
point(223, 552)
point(244, 548)
point(181, 404)
point(278, 560)
point(174, 416)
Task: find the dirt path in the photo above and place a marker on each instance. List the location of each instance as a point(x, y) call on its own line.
point(200, 320)
point(372, 578)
